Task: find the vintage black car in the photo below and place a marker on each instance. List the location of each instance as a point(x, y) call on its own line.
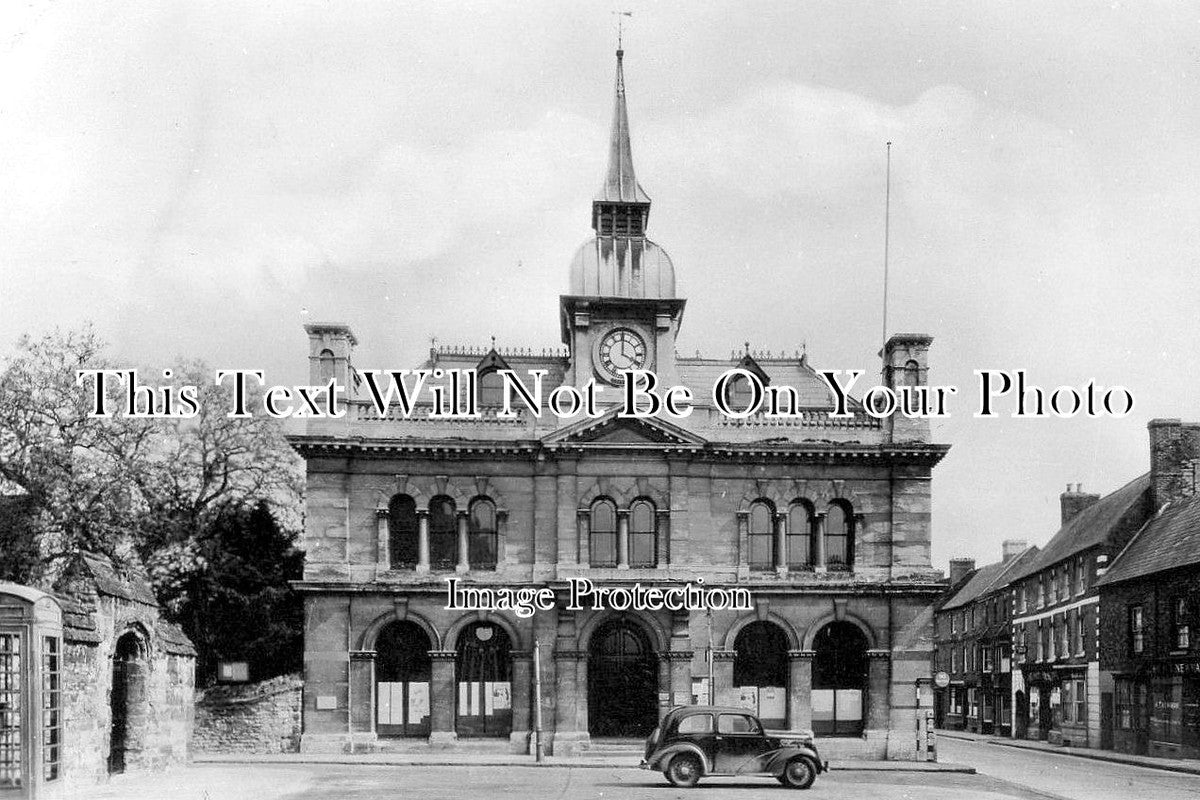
point(692, 742)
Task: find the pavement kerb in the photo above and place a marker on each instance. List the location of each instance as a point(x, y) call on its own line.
point(433, 761)
point(1077, 752)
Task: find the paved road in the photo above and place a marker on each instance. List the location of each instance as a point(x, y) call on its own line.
point(320, 782)
point(1066, 776)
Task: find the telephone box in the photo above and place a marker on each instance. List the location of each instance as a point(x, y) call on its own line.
point(30, 694)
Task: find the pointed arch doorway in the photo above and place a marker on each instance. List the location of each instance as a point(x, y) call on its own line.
point(622, 680)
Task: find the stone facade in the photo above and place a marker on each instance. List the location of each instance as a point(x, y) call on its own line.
point(251, 718)
point(826, 521)
point(122, 681)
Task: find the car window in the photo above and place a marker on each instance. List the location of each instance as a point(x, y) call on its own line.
point(736, 723)
point(696, 723)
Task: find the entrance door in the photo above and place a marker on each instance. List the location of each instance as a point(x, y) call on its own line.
point(127, 693)
point(14, 751)
point(839, 680)
point(402, 672)
point(1045, 712)
point(484, 675)
point(622, 681)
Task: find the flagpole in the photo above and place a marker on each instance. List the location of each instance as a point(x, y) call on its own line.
point(887, 226)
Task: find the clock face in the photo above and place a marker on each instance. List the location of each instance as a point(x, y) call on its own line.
point(621, 349)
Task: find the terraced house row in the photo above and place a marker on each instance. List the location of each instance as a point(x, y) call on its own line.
point(1088, 641)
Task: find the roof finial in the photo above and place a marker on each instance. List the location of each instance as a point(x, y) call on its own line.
point(493, 342)
point(621, 30)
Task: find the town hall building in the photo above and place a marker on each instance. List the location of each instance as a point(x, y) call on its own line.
point(825, 521)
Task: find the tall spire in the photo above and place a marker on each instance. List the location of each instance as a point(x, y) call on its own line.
point(620, 192)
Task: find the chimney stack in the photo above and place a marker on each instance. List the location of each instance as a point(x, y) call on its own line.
point(1011, 548)
point(1174, 456)
point(960, 568)
point(1074, 500)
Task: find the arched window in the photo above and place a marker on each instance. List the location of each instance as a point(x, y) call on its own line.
point(443, 537)
point(483, 673)
point(740, 393)
point(326, 366)
point(491, 390)
point(838, 537)
point(643, 539)
point(402, 532)
point(912, 373)
point(762, 535)
point(603, 537)
point(761, 664)
point(402, 673)
point(482, 534)
point(799, 537)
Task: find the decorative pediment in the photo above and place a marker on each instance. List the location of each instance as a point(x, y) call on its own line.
point(611, 429)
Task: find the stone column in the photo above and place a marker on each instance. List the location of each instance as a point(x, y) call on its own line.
point(722, 675)
point(877, 710)
point(442, 698)
point(362, 695)
point(819, 542)
point(464, 562)
point(583, 541)
point(664, 684)
point(622, 538)
point(522, 698)
point(422, 540)
point(501, 535)
point(662, 555)
point(799, 697)
point(679, 684)
point(383, 555)
point(569, 730)
point(743, 543)
point(781, 561)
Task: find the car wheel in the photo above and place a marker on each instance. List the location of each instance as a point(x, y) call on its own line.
point(799, 773)
point(684, 771)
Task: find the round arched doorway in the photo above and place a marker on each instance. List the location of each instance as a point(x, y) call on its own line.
point(127, 701)
point(622, 680)
point(760, 671)
point(839, 680)
point(484, 675)
point(402, 673)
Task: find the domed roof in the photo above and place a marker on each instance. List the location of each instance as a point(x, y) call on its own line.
point(608, 266)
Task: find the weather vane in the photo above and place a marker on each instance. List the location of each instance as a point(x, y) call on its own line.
point(621, 26)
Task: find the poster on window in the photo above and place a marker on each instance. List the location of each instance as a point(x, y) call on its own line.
point(384, 704)
point(747, 697)
point(822, 705)
point(500, 696)
point(772, 703)
point(418, 702)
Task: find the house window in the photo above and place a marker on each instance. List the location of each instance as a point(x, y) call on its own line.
point(1064, 650)
point(1137, 630)
point(1021, 598)
point(1044, 653)
point(973, 702)
point(799, 537)
point(1080, 575)
point(482, 539)
point(402, 532)
point(1065, 577)
point(1079, 695)
point(1041, 590)
point(1179, 620)
point(953, 623)
point(491, 389)
point(51, 708)
point(953, 660)
point(443, 533)
point(642, 537)
point(762, 536)
point(989, 663)
point(1077, 640)
point(602, 543)
point(837, 537)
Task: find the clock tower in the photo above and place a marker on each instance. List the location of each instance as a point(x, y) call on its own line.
point(622, 311)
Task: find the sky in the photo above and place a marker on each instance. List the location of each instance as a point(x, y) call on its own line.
point(201, 179)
